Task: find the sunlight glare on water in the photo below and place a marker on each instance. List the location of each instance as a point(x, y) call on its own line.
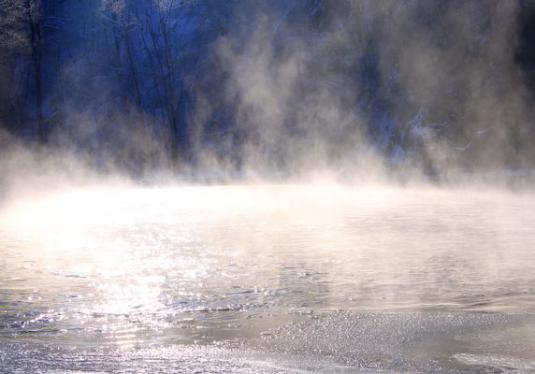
point(199, 264)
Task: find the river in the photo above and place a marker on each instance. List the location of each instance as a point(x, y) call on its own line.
point(268, 279)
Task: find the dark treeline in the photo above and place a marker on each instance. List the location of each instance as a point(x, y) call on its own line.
point(154, 83)
point(105, 76)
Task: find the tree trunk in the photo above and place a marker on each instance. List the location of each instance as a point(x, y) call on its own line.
point(35, 39)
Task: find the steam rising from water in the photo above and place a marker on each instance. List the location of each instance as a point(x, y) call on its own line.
point(358, 91)
point(371, 94)
point(367, 87)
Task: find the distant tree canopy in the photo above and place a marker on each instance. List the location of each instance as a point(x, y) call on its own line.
point(20, 44)
point(118, 68)
point(146, 83)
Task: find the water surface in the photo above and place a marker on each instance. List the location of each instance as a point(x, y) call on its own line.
point(268, 278)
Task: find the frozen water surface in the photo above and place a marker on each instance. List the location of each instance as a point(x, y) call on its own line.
point(268, 279)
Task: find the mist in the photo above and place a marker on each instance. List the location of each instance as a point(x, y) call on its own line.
point(357, 91)
point(267, 186)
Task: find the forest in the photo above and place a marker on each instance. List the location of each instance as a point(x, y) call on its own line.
point(267, 186)
point(274, 86)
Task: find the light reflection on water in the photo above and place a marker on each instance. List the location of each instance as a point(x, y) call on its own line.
point(198, 264)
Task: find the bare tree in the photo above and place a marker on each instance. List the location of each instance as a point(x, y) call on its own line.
point(20, 22)
point(33, 19)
